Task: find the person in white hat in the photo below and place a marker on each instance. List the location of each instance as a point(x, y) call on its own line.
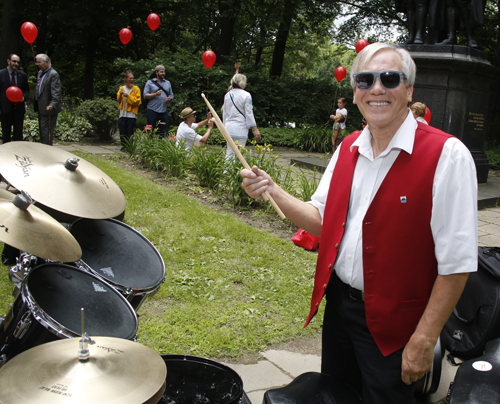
point(186, 133)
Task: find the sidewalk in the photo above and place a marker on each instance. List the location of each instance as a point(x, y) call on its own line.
point(276, 368)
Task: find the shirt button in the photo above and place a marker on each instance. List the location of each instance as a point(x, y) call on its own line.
point(343, 224)
point(337, 246)
point(329, 266)
point(317, 304)
point(324, 286)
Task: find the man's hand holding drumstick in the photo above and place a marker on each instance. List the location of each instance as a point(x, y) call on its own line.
point(304, 215)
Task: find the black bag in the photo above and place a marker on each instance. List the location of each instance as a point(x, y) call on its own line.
point(476, 317)
point(477, 380)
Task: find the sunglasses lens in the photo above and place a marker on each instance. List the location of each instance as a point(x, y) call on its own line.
point(390, 79)
point(364, 81)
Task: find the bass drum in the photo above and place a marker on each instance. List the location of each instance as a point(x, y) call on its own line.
point(191, 379)
point(121, 256)
point(49, 305)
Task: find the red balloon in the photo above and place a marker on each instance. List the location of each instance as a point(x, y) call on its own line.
point(153, 21)
point(427, 115)
point(125, 35)
point(208, 59)
point(340, 73)
point(29, 32)
point(361, 44)
point(14, 94)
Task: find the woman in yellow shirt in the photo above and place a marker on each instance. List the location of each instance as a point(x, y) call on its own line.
point(129, 97)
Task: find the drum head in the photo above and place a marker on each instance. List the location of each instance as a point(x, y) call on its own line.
point(119, 254)
point(191, 379)
point(61, 291)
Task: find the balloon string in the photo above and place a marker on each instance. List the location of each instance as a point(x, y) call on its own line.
point(208, 85)
point(125, 46)
point(34, 59)
point(335, 98)
point(154, 42)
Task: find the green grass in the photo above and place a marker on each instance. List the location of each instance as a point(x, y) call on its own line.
point(230, 289)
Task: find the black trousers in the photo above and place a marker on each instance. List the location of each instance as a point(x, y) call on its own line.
point(47, 125)
point(14, 119)
point(350, 354)
point(126, 126)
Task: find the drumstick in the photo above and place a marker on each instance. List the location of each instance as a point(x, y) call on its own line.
point(230, 143)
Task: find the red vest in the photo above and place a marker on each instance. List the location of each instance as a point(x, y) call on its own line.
point(399, 264)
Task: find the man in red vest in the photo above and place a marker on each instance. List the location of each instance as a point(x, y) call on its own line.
point(398, 229)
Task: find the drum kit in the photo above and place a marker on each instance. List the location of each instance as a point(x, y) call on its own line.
point(96, 264)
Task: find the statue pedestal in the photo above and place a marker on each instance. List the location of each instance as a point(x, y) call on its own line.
point(456, 83)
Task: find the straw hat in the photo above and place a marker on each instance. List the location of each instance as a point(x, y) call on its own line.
point(186, 112)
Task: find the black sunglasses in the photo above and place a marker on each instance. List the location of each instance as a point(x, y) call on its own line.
point(390, 79)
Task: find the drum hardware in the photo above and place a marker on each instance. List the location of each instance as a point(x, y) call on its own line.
point(83, 352)
point(22, 326)
point(28, 228)
point(117, 371)
point(56, 179)
point(23, 266)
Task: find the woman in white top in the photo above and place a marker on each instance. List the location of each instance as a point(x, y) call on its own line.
point(238, 113)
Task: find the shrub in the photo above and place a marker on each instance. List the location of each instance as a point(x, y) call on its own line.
point(173, 158)
point(208, 166)
point(103, 116)
point(71, 127)
point(31, 131)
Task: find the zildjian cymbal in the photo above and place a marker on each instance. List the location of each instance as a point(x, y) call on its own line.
point(4, 194)
point(118, 371)
point(30, 229)
point(60, 180)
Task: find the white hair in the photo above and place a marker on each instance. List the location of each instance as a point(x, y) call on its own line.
point(364, 57)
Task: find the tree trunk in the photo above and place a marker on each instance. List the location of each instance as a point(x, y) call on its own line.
point(88, 84)
point(229, 10)
point(282, 37)
point(10, 41)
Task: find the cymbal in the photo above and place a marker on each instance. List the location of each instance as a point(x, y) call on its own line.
point(4, 194)
point(32, 230)
point(118, 371)
point(61, 180)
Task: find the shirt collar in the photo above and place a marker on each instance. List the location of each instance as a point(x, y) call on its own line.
point(43, 72)
point(402, 140)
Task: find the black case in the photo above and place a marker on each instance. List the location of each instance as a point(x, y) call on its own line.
point(478, 380)
point(476, 317)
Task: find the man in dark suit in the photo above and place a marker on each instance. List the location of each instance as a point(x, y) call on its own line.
point(12, 113)
point(47, 98)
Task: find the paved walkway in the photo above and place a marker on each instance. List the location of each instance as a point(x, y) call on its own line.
point(277, 368)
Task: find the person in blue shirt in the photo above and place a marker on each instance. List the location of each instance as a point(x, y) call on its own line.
point(158, 92)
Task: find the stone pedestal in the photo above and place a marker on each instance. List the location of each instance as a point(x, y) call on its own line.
point(456, 83)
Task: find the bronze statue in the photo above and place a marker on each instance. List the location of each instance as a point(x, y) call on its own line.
point(471, 17)
point(416, 16)
point(445, 18)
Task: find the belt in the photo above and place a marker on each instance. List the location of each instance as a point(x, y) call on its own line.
point(354, 294)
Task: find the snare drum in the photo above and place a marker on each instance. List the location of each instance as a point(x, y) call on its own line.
point(49, 306)
point(121, 256)
point(191, 379)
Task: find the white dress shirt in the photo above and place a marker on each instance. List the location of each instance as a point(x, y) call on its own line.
point(454, 202)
